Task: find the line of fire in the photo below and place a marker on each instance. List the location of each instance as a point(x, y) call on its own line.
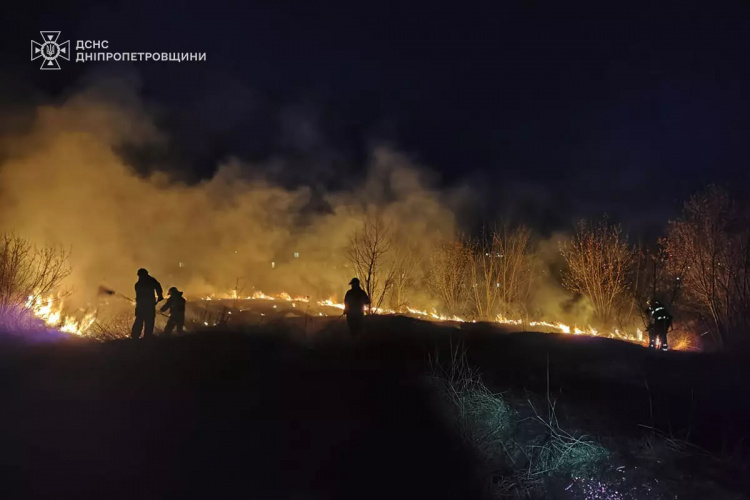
point(602, 284)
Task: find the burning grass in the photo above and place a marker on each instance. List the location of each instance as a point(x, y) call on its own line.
point(686, 340)
point(52, 311)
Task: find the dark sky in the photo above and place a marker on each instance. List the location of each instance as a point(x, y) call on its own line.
point(550, 111)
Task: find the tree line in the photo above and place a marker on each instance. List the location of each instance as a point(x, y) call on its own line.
point(699, 268)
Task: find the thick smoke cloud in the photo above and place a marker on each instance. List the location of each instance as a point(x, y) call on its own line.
point(63, 182)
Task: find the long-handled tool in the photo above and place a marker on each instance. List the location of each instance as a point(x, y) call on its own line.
point(103, 290)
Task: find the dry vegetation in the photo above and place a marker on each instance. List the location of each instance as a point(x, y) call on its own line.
point(517, 456)
point(709, 252)
point(449, 277)
point(27, 270)
point(370, 253)
point(27, 273)
point(599, 261)
point(700, 269)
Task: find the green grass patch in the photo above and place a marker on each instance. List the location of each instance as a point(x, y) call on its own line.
point(517, 456)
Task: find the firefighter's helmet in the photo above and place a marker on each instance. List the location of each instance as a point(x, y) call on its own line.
point(653, 302)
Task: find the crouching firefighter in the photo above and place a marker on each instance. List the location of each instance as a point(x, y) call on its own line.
point(659, 323)
point(354, 307)
point(176, 306)
point(148, 293)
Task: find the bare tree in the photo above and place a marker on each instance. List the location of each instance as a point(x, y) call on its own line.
point(405, 262)
point(709, 252)
point(449, 275)
point(649, 277)
point(370, 254)
point(27, 271)
point(599, 260)
point(483, 293)
point(515, 276)
point(500, 268)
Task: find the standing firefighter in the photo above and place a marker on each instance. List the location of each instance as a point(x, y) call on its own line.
point(176, 305)
point(148, 293)
point(354, 307)
point(659, 323)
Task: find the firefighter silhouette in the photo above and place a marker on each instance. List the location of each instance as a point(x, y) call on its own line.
point(659, 323)
point(176, 306)
point(355, 302)
point(148, 293)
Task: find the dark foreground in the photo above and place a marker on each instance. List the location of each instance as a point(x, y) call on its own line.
point(221, 415)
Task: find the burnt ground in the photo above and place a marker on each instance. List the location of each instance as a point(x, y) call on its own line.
point(269, 414)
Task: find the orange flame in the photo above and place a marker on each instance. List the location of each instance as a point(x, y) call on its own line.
point(50, 310)
point(636, 336)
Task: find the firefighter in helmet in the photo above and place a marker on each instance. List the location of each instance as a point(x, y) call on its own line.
point(659, 323)
point(176, 305)
point(148, 293)
point(355, 302)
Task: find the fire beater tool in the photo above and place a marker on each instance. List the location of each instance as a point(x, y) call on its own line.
point(103, 290)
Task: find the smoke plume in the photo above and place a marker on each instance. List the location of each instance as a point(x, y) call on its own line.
point(63, 182)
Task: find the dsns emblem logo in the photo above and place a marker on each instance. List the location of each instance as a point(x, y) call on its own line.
point(50, 50)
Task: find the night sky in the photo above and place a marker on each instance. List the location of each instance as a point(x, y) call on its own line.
point(548, 112)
